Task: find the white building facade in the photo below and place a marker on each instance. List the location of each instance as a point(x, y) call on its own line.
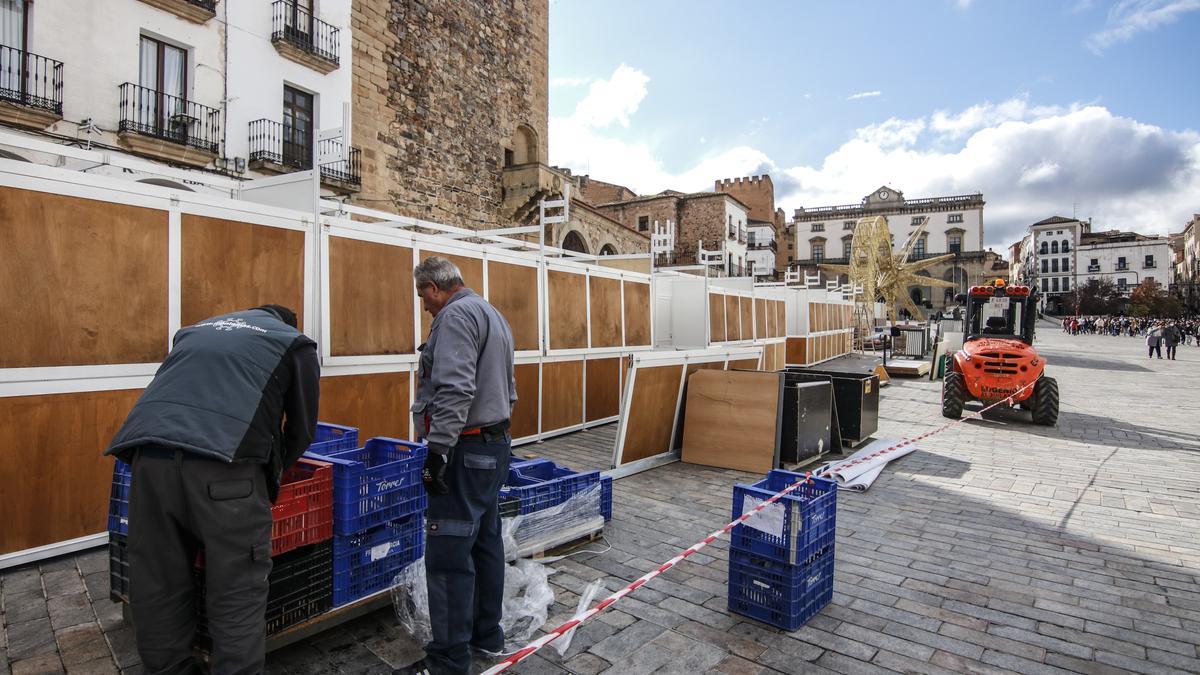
point(955, 224)
point(760, 249)
point(1059, 254)
point(220, 86)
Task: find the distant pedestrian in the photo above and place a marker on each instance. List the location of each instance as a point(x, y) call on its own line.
point(1171, 337)
point(1154, 342)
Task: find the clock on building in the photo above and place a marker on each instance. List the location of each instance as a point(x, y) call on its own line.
point(883, 194)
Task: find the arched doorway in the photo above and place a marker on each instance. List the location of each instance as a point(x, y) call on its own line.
point(574, 242)
point(916, 296)
point(525, 145)
point(607, 249)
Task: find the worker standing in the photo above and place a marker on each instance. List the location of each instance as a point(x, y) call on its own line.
point(464, 398)
point(208, 442)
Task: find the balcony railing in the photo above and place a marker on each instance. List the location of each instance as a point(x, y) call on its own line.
point(272, 142)
point(756, 245)
point(210, 5)
point(1148, 266)
point(30, 80)
point(1093, 268)
point(154, 113)
point(299, 28)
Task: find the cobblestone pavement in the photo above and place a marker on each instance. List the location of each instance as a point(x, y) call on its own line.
point(997, 546)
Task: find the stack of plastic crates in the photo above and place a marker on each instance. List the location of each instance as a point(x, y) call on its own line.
point(537, 484)
point(301, 534)
point(781, 562)
point(379, 509)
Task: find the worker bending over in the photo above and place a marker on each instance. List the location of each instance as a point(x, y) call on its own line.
point(208, 442)
point(465, 395)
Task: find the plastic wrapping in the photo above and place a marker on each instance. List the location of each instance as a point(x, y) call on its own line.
point(527, 601)
point(535, 532)
point(562, 644)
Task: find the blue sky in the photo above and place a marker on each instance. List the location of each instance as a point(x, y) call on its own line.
point(1043, 106)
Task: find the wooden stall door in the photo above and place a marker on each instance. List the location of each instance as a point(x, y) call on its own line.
point(605, 303)
point(760, 319)
point(651, 412)
point(747, 311)
point(370, 298)
point(472, 274)
point(603, 388)
point(568, 309)
point(733, 420)
point(637, 313)
point(376, 403)
point(512, 289)
point(228, 266)
point(562, 402)
point(83, 282)
point(524, 418)
point(691, 369)
point(716, 317)
point(796, 352)
point(781, 318)
point(54, 481)
point(733, 318)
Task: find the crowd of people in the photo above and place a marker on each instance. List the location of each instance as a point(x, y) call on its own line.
point(1158, 332)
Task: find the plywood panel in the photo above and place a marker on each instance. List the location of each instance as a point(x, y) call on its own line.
point(568, 310)
point(54, 483)
point(605, 311)
point(747, 310)
point(637, 313)
point(781, 318)
point(370, 298)
point(716, 317)
point(229, 266)
point(603, 388)
point(733, 420)
point(472, 274)
point(376, 403)
point(744, 364)
point(733, 318)
point(562, 399)
point(513, 290)
point(524, 418)
point(760, 319)
point(651, 412)
point(83, 282)
point(796, 351)
point(691, 368)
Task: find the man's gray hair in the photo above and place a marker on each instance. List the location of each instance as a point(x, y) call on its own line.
point(439, 272)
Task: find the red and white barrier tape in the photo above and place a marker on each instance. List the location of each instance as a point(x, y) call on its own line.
point(577, 620)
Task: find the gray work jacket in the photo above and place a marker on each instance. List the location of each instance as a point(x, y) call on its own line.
point(466, 371)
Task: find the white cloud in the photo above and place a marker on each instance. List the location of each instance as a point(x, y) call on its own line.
point(1029, 161)
point(569, 81)
point(864, 94)
point(614, 99)
point(964, 4)
point(1128, 18)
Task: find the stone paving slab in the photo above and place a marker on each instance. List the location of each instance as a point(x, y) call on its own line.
point(995, 547)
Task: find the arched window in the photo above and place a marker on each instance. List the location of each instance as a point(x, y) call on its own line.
point(1054, 247)
point(608, 249)
point(525, 146)
point(574, 242)
point(1066, 247)
point(1045, 248)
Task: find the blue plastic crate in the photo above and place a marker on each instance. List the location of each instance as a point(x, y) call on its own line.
point(375, 484)
point(367, 562)
point(784, 596)
point(118, 498)
point(539, 484)
point(331, 438)
point(809, 514)
point(606, 497)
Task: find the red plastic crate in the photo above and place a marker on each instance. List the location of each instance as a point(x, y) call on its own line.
point(303, 513)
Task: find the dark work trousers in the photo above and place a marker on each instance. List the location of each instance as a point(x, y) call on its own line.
point(178, 503)
point(1155, 348)
point(464, 554)
point(1171, 352)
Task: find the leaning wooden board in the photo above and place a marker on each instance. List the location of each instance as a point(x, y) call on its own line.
point(733, 420)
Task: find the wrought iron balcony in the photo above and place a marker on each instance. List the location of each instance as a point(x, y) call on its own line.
point(155, 114)
point(300, 36)
point(1149, 266)
point(756, 245)
point(32, 82)
point(274, 147)
point(198, 11)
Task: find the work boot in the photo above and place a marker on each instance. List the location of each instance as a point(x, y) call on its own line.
point(418, 668)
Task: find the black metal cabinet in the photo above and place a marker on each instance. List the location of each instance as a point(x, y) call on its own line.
point(856, 396)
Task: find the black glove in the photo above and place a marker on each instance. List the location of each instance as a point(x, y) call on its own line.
point(434, 473)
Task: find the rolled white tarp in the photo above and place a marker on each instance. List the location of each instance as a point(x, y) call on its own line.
point(859, 470)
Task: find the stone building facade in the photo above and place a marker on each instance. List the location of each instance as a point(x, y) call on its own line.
point(590, 231)
point(451, 105)
point(758, 194)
